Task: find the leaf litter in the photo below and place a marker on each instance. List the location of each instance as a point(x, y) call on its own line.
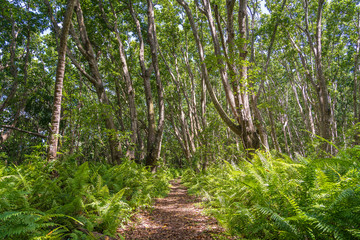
point(175, 217)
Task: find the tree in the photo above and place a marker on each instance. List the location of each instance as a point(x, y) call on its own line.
point(60, 72)
point(233, 72)
point(127, 77)
point(154, 134)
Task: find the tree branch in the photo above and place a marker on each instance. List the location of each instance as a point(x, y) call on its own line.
point(24, 131)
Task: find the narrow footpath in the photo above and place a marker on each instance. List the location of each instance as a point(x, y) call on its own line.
point(174, 217)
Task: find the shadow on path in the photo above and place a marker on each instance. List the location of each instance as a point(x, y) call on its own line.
point(173, 217)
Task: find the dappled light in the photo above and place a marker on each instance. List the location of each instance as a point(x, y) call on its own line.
point(174, 217)
point(249, 108)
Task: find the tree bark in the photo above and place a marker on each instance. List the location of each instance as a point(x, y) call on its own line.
point(326, 116)
point(323, 93)
point(356, 82)
point(60, 72)
point(205, 75)
point(235, 88)
point(130, 89)
point(250, 136)
point(154, 146)
point(13, 67)
point(86, 49)
point(154, 133)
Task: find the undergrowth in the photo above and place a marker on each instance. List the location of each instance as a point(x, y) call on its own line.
point(275, 197)
point(67, 201)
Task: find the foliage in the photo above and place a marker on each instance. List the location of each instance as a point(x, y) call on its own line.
point(272, 197)
point(275, 197)
point(41, 201)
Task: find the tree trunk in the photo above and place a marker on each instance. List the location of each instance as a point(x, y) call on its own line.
point(85, 48)
point(250, 136)
point(60, 72)
point(356, 82)
point(130, 89)
point(13, 67)
point(237, 129)
point(324, 99)
point(154, 134)
point(154, 146)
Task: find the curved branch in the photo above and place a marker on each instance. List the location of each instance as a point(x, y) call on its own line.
point(24, 131)
point(228, 121)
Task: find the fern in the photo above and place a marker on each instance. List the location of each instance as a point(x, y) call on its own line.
point(67, 201)
point(278, 198)
point(22, 224)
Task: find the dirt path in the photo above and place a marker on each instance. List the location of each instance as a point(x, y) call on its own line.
point(173, 217)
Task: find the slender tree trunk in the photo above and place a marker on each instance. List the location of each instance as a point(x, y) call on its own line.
point(118, 101)
point(324, 99)
point(85, 48)
point(140, 149)
point(217, 50)
point(22, 103)
point(250, 137)
point(154, 147)
point(239, 102)
point(205, 75)
point(60, 72)
point(308, 107)
point(334, 130)
point(154, 134)
point(130, 89)
point(290, 137)
point(272, 125)
point(356, 81)
point(13, 67)
point(273, 132)
point(145, 74)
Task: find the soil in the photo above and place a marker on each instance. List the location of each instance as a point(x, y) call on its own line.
point(174, 217)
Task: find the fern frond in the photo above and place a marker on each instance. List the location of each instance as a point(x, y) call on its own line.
point(279, 221)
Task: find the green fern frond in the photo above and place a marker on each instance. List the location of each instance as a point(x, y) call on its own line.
point(354, 232)
point(279, 221)
point(344, 195)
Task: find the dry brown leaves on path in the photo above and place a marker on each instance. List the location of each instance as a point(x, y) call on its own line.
point(174, 217)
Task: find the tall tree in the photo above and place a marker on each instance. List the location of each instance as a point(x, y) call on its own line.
point(154, 133)
point(60, 72)
point(233, 72)
point(127, 77)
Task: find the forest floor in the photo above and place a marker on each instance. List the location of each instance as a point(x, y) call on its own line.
point(175, 217)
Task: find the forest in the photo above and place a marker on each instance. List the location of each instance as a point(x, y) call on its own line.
point(111, 108)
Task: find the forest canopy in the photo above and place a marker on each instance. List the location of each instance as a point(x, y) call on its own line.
point(144, 78)
point(179, 80)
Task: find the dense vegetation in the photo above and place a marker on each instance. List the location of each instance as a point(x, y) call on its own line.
point(256, 101)
point(276, 197)
point(67, 200)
